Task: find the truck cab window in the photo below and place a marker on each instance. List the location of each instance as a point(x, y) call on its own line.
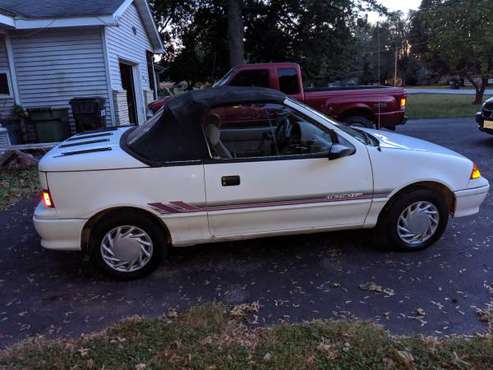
point(288, 81)
point(248, 78)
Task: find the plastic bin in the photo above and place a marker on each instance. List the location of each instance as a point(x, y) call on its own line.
point(15, 132)
point(51, 124)
point(89, 113)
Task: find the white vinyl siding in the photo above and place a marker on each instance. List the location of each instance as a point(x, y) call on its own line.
point(54, 66)
point(123, 44)
point(6, 102)
point(129, 42)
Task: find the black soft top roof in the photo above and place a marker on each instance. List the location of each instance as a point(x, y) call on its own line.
point(195, 104)
point(177, 136)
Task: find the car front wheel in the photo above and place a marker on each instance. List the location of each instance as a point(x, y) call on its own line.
point(127, 246)
point(414, 221)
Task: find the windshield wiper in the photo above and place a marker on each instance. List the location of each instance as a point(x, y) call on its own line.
point(369, 139)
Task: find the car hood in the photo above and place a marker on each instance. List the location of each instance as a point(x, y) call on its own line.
point(391, 140)
point(89, 151)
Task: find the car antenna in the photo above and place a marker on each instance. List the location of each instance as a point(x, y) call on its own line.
point(379, 74)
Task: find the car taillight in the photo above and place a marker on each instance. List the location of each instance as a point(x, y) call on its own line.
point(47, 200)
point(475, 174)
point(403, 103)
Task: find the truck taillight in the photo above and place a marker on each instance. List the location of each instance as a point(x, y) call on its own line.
point(403, 103)
point(46, 199)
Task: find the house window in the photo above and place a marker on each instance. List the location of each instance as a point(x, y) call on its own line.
point(4, 83)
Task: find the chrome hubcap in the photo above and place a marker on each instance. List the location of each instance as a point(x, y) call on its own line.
point(418, 223)
point(126, 248)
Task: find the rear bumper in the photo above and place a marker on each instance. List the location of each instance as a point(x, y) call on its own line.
point(59, 234)
point(467, 202)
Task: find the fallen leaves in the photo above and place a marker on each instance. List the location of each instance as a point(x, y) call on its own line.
point(17, 184)
point(374, 287)
point(243, 309)
point(406, 358)
point(329, 350)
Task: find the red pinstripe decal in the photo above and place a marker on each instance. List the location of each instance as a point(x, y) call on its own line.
point(162, 208)
point(182, 207)
point(185, 206)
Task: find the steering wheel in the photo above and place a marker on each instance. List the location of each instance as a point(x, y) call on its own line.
point(287, 135)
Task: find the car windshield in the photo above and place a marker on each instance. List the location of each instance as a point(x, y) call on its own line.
point(141, 130)
point(359, 135)
point(223, 80)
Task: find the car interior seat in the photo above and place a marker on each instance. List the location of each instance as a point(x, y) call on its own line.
point(214, 136)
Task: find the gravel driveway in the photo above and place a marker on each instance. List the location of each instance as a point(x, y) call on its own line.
point(294, 278)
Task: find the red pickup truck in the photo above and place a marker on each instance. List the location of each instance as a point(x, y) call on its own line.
point(370, 106)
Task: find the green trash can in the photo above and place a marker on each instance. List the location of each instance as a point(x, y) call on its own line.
point(51, 124)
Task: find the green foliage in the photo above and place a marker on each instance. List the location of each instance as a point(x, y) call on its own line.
point(320, 35)
point(454, 36)
point(210, 337)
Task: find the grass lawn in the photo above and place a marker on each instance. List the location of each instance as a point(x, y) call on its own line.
point(213, 337)
point(16, 185)
point(440, 106)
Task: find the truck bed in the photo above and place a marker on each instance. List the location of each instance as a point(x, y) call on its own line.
point(346, 88)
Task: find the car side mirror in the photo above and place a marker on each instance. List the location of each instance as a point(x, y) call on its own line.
point(340, 151)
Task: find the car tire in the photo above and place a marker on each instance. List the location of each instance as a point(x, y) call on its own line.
point(421, 215)
point(130, 237)
point(359, 121)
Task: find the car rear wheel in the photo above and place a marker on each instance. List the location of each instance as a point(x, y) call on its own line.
point(359, 121)
point(414, 221)
point(127, 247)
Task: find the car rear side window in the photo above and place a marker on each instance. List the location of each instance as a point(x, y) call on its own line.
point(288, 81)
point(248, 78)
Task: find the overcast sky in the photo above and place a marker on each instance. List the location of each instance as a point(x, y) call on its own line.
point(403, 5)
point(393, 5)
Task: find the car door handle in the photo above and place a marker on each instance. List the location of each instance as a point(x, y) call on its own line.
point(230, 180)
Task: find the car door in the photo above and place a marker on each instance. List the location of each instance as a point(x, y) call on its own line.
point(273, 175)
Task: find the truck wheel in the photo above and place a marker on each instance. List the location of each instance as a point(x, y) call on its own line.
point(414, 221)
point(359, 121)
point(127, 246)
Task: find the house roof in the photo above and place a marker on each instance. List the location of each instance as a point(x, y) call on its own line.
point(35, 14)
point(59, 8)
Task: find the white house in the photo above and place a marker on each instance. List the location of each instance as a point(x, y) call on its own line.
point(54, 50)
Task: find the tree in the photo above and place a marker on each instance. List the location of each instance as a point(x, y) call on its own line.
point(456, 38)
point(377, 47)
point(235, 33)
point(208, 34)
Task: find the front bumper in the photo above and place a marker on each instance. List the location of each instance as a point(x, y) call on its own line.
point(480, 121)
point(58, 234)
point(392, 119)
point(468, 201)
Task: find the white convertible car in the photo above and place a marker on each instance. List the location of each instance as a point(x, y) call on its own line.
point(236, 163)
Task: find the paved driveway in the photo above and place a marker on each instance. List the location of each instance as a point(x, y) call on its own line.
point(293, 278)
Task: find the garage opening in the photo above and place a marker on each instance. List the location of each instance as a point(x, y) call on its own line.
point(127, 76)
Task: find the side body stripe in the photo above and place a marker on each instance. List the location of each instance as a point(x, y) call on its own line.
point(175, 207)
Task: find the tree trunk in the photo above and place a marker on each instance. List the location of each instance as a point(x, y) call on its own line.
point(235, 33)
point(480, 89)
